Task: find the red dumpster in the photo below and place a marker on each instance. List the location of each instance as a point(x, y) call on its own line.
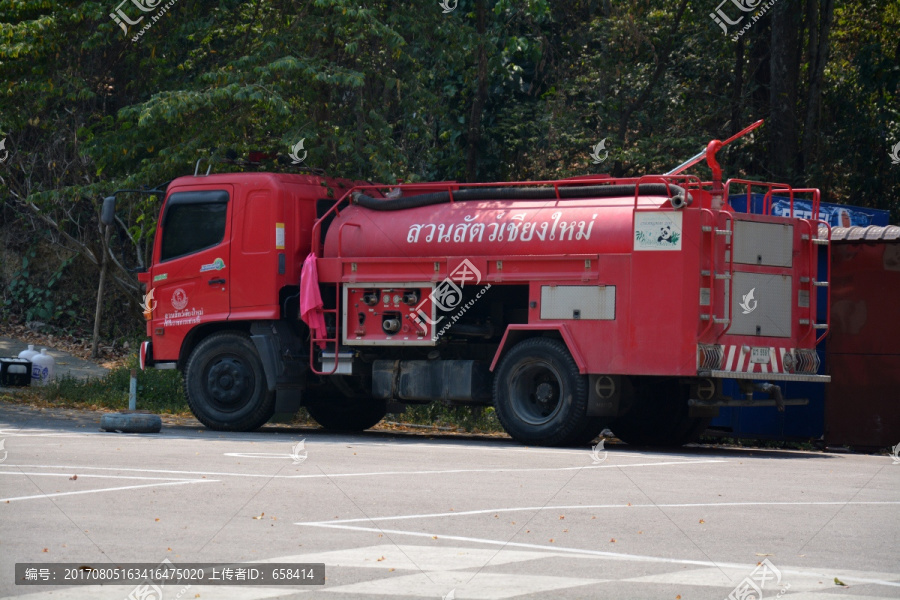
point(862, 402)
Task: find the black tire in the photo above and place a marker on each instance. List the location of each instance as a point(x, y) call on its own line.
point(660, 415)
point(225, 384)
point(541, 398)
point(347, 414)
point(131, 423)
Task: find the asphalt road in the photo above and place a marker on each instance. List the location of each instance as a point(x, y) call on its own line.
point(411, 516)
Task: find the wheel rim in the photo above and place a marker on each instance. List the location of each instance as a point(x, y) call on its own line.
point(229, 383)
point(535, 392)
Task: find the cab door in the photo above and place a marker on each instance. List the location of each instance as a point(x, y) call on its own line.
point(191, 267)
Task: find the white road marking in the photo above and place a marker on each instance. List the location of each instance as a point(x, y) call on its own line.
point(590, 507)
point(115, 489)
point(69, 475)
point(586, 467)
point(410, 557)
point(258, 455)
point(488, 586)
point(118, 592)
point(51, 433)
point(608, 555)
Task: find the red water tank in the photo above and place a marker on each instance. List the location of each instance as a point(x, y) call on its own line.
point(489, 228)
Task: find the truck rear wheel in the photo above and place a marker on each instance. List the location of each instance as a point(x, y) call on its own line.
point(541, 398)
point(660, 415)
point(225, 384)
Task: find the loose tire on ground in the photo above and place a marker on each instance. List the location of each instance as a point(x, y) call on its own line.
point(541, 398)
point(660, 415)
point(131, 423)
point(225, 384)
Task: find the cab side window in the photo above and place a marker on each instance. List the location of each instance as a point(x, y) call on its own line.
point(193, 221)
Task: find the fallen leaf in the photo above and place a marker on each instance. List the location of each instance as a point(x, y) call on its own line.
point(261, 515)
point(434, 537)
point(73, 477)
point(629, 504)
point(678, 597)
point(168, 549)
point(839, 582)
point(45, 550)
point(702, 521)
point(561, 517)
point(156, 519)
point(551, 540)
point(612, 540)
point(640, 532)
point(565, 531)
point(390, 570)
point(380, 559)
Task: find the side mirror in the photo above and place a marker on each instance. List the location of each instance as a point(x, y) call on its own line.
point(108, 212)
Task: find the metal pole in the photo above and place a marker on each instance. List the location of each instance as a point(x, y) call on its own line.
point(132, 391)
point(701, 155)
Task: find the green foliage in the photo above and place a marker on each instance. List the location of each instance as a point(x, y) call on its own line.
point(158, 391)
point(39, 301)
point(384, 90)
point(468, 418)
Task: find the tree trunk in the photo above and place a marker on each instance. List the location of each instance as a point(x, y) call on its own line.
point(819, 30)
point(480, 96)
point(784, 66)
point(738, 91)
point(104, 264)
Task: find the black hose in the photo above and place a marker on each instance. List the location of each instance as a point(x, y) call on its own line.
point(680, 198)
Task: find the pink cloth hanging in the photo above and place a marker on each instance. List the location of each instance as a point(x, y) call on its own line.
point(311, 304)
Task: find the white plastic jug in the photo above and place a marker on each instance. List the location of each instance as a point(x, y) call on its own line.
point(42, 367)
point(28, 354)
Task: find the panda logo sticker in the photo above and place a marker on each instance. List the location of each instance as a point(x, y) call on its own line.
point(657, 230)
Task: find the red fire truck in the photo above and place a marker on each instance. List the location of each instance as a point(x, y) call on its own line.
point(569, 306)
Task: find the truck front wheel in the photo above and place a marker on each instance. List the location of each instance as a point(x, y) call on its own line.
point(541, 398)
point(225, 384)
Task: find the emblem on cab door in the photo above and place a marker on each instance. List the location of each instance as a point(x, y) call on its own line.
point(179, 299)
point(748, 299)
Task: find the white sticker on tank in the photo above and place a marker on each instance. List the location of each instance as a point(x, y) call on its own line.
point(657, 230)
